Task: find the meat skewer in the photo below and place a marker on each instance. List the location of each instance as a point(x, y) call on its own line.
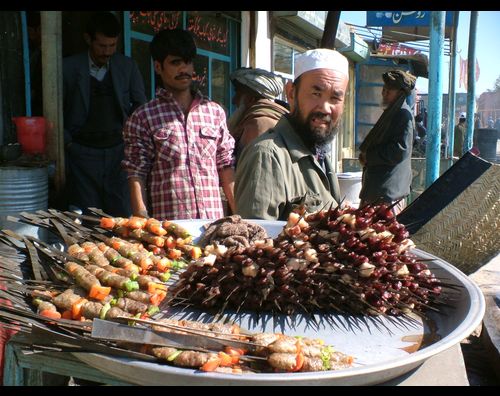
point(316, 261)
point(282, 353)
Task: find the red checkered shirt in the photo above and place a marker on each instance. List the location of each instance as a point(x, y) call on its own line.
point(179, 156)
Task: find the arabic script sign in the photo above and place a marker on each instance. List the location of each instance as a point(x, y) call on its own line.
point(151, 22)
point(402, 18)
point(396, 49)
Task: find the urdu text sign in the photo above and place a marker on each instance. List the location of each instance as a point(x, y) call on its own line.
point(403, 18)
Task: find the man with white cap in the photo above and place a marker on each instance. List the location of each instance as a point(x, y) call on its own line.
point(257, 110)
point(459, 136)
point(291, 163)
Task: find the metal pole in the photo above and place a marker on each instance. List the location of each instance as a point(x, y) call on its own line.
point(26, 62)
point(471, 81)
point(432, 151)
point(452, 85)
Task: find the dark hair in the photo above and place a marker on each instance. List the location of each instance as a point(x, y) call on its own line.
point(105, 23)
point(175, 42)
point(296, 82)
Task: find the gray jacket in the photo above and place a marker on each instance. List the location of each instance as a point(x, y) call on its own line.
point(276, 170)
point(127, 83)
point(387, 173)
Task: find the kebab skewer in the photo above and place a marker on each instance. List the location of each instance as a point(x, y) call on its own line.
point(343, 259)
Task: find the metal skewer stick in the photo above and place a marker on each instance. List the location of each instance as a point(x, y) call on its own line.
point(190, 330)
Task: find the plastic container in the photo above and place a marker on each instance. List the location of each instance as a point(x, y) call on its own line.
point(31, 134)
point(350, 186)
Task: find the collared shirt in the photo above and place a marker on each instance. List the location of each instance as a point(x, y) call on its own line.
point(98, 72)
point(179, 155)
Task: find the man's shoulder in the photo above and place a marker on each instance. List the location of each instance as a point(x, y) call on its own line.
point(405, 112)
point(76, 59)
point(207, 102)
point(122, 59)
point(270, 141)
point(150, 106)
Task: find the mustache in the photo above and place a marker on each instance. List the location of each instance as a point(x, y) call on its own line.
point(320, 116)
point(183, 75)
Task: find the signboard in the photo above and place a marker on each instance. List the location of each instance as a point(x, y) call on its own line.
point(313, 22)
point(396, 49)
point(403, 18)
point(210, 33)
point(151, 22)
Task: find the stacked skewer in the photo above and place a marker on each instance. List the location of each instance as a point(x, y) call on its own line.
point(347, 260)
point(55, 294)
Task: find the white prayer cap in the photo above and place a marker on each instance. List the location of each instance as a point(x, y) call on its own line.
point(321, 58)
point(463, 115)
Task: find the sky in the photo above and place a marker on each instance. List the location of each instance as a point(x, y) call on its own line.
point(487, 48)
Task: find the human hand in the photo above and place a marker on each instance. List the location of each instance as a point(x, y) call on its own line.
point(142, 213)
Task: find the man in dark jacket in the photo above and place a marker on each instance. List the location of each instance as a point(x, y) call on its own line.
point(459, 136)
point(101, 89)
point(385, 154)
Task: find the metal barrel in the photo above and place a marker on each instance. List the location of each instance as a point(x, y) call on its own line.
point(487, 143)
point(23, 189)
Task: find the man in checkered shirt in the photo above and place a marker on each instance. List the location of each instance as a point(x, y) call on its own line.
point(178, 150)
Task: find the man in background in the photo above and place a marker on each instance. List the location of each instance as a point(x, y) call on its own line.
point(257, 111)
point(101, 89)
point(385, 153)
point(459, 136)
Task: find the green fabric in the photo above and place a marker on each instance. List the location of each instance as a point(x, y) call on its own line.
point(276, 171)
point(458, 143)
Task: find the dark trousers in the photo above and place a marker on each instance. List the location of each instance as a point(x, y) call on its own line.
point(95, 179)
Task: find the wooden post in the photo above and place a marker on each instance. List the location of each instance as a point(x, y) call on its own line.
point(330, 30)
point(51, 25)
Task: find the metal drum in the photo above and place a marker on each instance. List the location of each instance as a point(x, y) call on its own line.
point(23, 189)
point(487, 143)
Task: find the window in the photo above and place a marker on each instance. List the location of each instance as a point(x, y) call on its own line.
point(216, 40)
point(283, 55)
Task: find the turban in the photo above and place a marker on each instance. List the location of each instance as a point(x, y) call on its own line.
point(399, 79)
point(265, 83)
point(321, 58)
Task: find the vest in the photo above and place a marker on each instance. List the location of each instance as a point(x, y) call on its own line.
point(104, 124)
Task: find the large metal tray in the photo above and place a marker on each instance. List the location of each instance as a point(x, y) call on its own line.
point(383, 348)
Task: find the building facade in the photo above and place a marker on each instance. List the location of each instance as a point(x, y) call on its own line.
point(225, 40)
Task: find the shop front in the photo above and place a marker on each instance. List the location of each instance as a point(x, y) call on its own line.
point(216, 35)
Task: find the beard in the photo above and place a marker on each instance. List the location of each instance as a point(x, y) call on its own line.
point(314, 136)
point(235, 118)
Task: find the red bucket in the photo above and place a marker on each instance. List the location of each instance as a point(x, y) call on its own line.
point(31, 134)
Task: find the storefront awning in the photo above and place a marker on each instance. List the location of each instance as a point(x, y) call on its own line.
point(313, 22)
point(419, 62)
